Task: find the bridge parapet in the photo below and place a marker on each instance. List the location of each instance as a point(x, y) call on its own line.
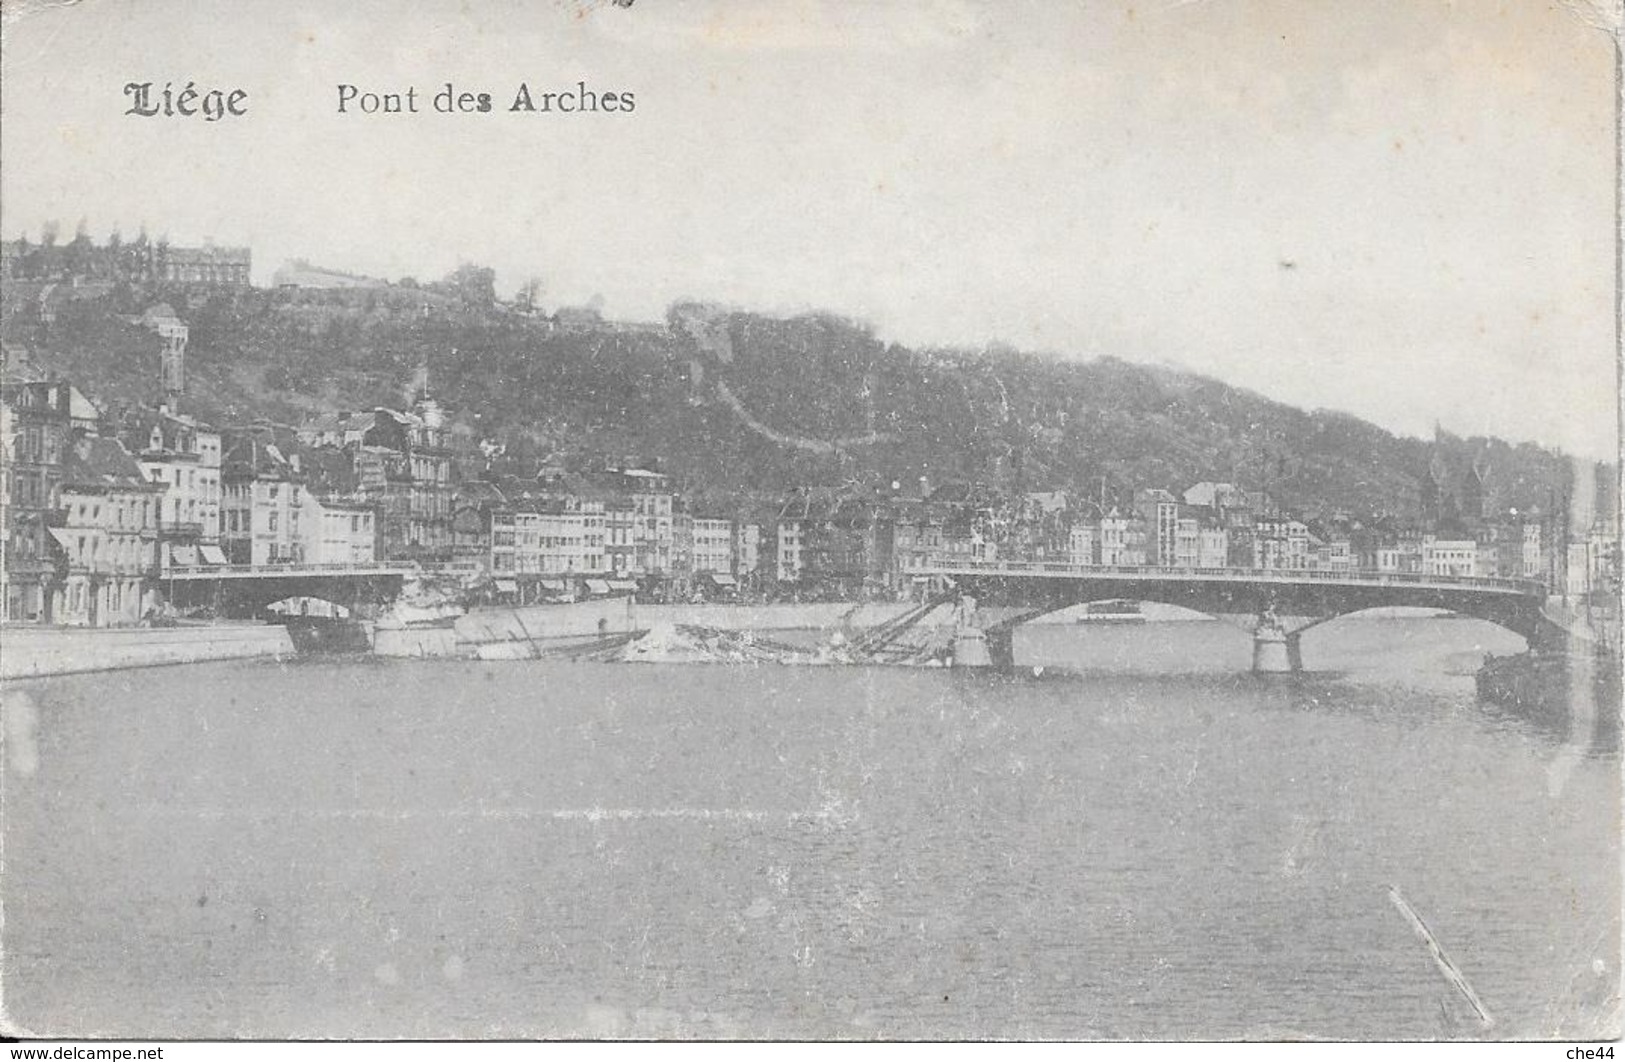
point(194, 572)
point(1533, 588)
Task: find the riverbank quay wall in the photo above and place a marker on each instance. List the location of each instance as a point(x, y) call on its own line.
point(35, 652)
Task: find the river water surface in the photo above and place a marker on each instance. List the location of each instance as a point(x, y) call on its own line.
point(1143, 841)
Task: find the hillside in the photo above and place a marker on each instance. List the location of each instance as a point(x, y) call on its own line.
point(740, 404)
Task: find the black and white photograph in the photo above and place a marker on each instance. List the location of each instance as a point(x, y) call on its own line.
point(801, 521)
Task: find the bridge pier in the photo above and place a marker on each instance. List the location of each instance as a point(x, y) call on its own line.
point(974, 646)
point(970, 641)
point(970, 648)
point(1276, 651)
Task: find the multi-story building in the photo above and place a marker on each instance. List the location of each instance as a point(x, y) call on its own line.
point(747, 549)
point(594, 514)
point(405, 462)
point(790, 532)
point(620, 536)
point(206, 265)
point(917, 538)
point(140, 260)
point(705, 554)
point(262, 500)
point(338, 532)
point(1334, 553)
point(1160, 511)
point(1042, 527)
point(504, 538)
point(41, 416)
point(1187, 542)
point(1136, 543)
point(103, 531)
point(1212, 547)
point(1449, 556)
point(566, 541)
point(471, 527)
point(653, 534)
point(182, 457)
point(1531, 552)
point(1280, 543)
point(713, 549)
point(846, 548)
point(1123, 539)
point(1083, 544)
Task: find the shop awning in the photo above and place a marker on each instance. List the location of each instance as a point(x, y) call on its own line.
point(507, 586)
point(551, 584)
point(63, 539)
point(183, 556)
point(212, 555)
point(597, 586)
point(722, 579)
point(621, 584)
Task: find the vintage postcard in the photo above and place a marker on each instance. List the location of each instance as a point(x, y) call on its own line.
point(919, 520)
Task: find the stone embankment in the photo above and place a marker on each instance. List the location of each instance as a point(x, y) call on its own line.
point(29, 652)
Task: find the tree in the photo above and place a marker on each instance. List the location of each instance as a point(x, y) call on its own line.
point(475, 285)
point(529, 294)
point(80, 251)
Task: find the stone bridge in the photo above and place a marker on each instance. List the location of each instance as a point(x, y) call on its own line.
point(1277, 605)
point(244, 591)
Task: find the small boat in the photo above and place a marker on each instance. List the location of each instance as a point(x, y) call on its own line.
point(1111, 612)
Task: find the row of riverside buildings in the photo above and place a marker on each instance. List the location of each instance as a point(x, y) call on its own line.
point(98, 508)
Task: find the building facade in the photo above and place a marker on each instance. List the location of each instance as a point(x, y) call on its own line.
point(104, 534)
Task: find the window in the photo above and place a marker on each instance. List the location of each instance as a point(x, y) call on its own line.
point(272, 524)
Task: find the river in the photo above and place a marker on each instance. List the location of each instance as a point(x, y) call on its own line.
point(1142, 841)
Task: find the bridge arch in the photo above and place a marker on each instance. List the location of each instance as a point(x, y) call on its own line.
point(248, 597)
point(1314, 622)
point(1235, 593)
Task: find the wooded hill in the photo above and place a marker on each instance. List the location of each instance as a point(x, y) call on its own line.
point(741, 405)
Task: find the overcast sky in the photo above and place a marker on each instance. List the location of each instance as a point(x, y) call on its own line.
point(1402, 210)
